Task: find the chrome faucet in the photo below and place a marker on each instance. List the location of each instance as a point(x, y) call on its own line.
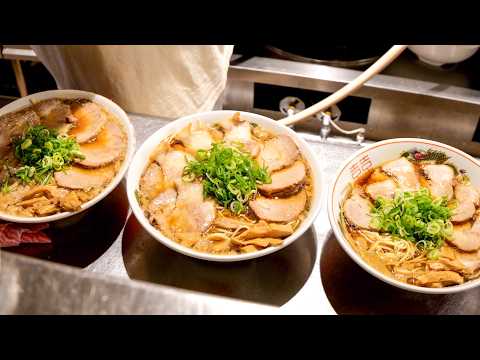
point(291, 105)
point(329, 118)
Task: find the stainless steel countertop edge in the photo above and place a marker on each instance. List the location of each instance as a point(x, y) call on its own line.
point(25, 280)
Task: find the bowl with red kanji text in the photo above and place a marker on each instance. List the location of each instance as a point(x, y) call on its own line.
point(371, 161)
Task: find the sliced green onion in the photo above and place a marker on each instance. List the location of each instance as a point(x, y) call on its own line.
point(228, 174)
point(236, 206)
point(41, 151)
point(415, 216)
point(26, 144)
point(433, 254)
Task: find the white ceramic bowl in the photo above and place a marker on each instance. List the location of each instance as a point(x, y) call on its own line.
point(140, 162)
point(71, 94)
point(439, 55)
point(374, 155)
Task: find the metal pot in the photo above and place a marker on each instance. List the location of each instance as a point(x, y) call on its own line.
point(347, 56)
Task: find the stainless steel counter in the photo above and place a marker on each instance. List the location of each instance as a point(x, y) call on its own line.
point(308, 277)
point(137, 275)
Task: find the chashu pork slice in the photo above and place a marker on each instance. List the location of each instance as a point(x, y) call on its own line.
point(193, 214)
point(467, 240)
point(13, 125)
point(90, 121)
point(77, 178)
point(195, 139)
point(404, 173)
point(440, 180)
point(385, 189)
point(240, 131)
point(152, 182)
point(163, 205)
point(470, 260)
point(279, 210)
point(107, 147)
point(55, 114)
point(278, 153)
point(463, 212)
point(357, 212)
point(172, 163)
point(467, 199)
point(285, 181)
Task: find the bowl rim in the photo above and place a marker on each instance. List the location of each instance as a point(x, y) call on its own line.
point(355, 256)
point(173, 245)
point(19, 104)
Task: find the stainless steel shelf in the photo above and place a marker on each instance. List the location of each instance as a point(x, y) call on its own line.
point(18, 52)
point(314, 76)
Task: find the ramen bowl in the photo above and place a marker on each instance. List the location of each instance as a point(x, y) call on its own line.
point(372, 156)
point(109, 106)
point(141, 160)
